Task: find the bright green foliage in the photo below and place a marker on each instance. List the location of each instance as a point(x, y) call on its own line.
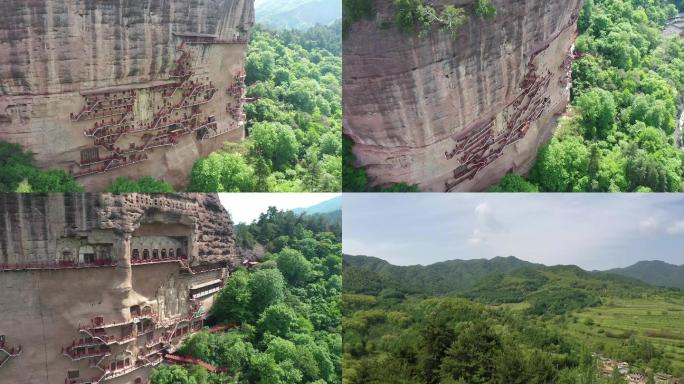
point(276, 142)
point(172, 375)
point(18, 174)
point(233, 301)
point(562, 166)
point(267, 287)
point(294, 266)
point(625, 102)
point(281, 321)
point(287, 334)
point(417, 16)
point(294, 128)
point(513, 183)
point(354, 10)
point(222, 172)
point(451, 20)
point(598, 112)
point(585, 15)
point(145, 184)
point(485, 8)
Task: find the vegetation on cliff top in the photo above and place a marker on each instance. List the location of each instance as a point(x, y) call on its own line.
point(294, 128)
point(288, 310)
point(418, 16)
point(619, 134)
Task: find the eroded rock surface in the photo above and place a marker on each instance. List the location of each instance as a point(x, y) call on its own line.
point(456, 114)
point(122, 88)
point(98, 287)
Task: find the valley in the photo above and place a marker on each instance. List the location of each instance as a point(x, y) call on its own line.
point(536, 323)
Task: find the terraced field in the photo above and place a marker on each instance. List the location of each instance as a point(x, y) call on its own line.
point(658, 319)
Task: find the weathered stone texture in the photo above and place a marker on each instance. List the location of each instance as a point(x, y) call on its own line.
point(48, 307)
point(52, 52)
point(410, 102)
point(32, 224)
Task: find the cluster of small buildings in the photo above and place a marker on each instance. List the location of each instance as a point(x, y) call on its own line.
point(607, 367)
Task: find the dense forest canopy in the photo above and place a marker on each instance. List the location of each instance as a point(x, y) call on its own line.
point(619, 132)
point(294, 129)
point(287, 309)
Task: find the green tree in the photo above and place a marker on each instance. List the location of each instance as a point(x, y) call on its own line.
point(233, 301)
point(585, 15)
point(472, 355)
point(294, 266)
point(280, 320)
point(598, 112)
point(562, 166)
point(484, 8)
point(277, 142)
point(267, 287)
point(173, 374)
point(222, 172)
point(513, 183)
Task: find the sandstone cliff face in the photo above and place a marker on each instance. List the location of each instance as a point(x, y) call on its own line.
point(126, 64)
point(36, 227)
point(456, 114)
point(97, 287)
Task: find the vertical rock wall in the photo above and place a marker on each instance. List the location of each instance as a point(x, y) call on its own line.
point(146, 305)
point(32, 226)
point(148, 112)
point(456, 114)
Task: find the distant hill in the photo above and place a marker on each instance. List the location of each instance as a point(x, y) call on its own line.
point(297, 14)
point(332, 205)
point(557, 289)
point(658, 273)
point(437, 279)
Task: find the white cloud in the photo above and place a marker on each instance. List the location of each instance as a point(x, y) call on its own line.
point(483, 209)
point(476, 238)
point(676, 228)
point(649, 225)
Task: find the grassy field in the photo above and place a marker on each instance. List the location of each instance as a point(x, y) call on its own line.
point(657, 319)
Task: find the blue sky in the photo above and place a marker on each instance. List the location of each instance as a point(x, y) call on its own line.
point(594, 231)
point(246, 207)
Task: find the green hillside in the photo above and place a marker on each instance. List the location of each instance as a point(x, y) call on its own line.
point(656, 273)
point(297, 14)
point(436, 279)
point(334, 204)
point(514, 322)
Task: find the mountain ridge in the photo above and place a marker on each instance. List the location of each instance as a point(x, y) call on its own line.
point(297, 14)
point(327, 206)
point(655, 272)
point(496, 280)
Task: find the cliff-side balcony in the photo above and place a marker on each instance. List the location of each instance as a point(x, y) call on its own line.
point(153, 343)
point(63, 264)
point(80, 353)
point(84, 380)
point(157, 260)
point(118, 372)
